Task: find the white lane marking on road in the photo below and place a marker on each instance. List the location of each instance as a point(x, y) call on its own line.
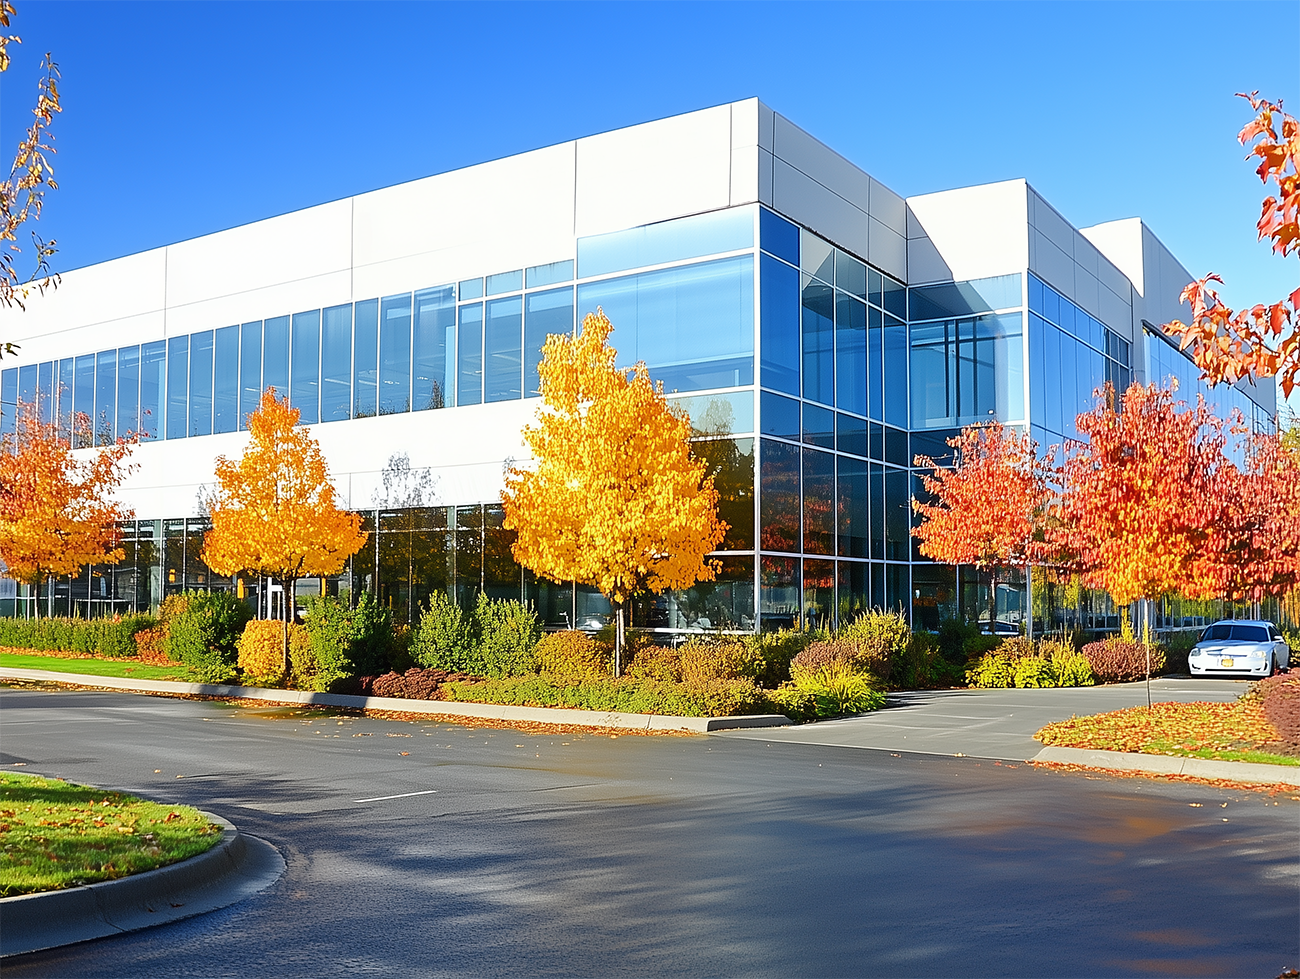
point(404, 795)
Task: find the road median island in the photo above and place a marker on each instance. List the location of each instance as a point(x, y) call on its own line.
point(455, 711)
point(1203, 768)
point(238, 866)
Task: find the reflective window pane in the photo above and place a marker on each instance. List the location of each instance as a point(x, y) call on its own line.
point(153, 387)
point(250, 370)
point(434, 348)
point(850, 354)
point(470, 289)
point(817, 257)
point(898, 515)
point(725, 413)
point(178, 373)
point(778, 236)
point(667, 241)
point(395, 354)
point(46, 393)
point(780, 326)
point(275, 355)
point(731, 464)
point(546, 275)
point(365, 382)
point(9, 400)
point(818, 320)
point(852, 509)
point(305, 374)
point(780, 416)
point(818, 502)
point(818, 593)
point(336, 363)
point(105, 396)
point(896, 447)
point(66, 383)
point(469, 355)
point(201, 383)
point(225, 380)
point(876, 476)
point(503, 350)
point(128, 391)
point(818, 426)
point(505, 282)
point(850, 274)
point(547, 313)
point(779, 582)
point(779, 496)
point(895, 298)
point(851, 434)
point(27, 384)
point(853, 591)
point(895, 372)
point(875, 364)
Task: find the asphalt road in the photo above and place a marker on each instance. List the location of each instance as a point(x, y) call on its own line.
point(671, 855)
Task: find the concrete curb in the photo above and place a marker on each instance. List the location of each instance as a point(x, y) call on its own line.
point(443, 708)
point(1236, 771)
point(237, 867)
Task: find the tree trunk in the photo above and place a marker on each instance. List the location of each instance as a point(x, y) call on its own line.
point(286, 614)
point(618, 640)
point(37, 588)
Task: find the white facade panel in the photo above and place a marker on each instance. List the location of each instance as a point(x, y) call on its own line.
point(888, 208)
point(744, 174)
point(1054, 227)
point(653, 172)
point(744, 123)
point(1116, 312)
point(811, 204)
point(1086, 289)
point(765, 168)
point(979, 231)
point(255, 304)
point(818, 161)
point(287, 248)
point(91, 338)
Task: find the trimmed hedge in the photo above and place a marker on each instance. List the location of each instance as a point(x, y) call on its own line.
point(1115, 660)
point(716, 699)
point(111, 638)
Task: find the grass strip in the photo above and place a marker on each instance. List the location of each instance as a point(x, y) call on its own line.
point(56, 834)
point(1235, 731)
point(121, 668)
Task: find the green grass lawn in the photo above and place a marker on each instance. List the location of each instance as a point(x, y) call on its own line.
point(57, 834)
point(93, 667)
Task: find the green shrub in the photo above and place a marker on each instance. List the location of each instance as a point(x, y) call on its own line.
point(203, 637)
point(880, 637)
point(981, 643)
point(495, 640)
point(109, 637)
point(955, 635)
point(1177, 646)
point(445, 637)
point(921, 665)
point(993, 670)
point(797, 704)
point(346, 642)
point(572, 655)
point(1034, 672)
point(1292, 637)
point(717, 699)
point(704, 661)
point(1072, 669)
point(778, 650)
point(838, 690)
point(260, 651)
point(652, 662)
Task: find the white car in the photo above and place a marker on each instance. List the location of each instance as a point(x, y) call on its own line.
point(1249, 646)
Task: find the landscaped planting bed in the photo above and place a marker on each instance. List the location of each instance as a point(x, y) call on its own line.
point(56, 834)
point(1237, 731)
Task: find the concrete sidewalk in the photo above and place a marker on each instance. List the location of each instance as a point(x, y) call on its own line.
point(996, 724)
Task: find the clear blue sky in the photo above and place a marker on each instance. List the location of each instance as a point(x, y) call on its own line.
point(184, 118)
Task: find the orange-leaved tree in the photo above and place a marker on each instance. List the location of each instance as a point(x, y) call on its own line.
point(987, 511)
point(615, 499)
point(1140, 494)
point(22, 193)
point(273, 511)
point(1262, 341)
point(57, 512)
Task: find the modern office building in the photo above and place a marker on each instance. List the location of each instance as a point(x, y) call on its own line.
point(820, 329)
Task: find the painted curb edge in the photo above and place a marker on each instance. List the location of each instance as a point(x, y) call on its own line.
point(1236, 771)
point(446, 708)
point(236, 868)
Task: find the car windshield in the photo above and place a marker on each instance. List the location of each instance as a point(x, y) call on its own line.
point(1242, 633)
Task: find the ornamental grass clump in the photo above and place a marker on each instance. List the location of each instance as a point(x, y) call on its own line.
point(880, 638)
point(831, 678)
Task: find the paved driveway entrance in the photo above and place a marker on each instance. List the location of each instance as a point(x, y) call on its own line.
point(984, 723)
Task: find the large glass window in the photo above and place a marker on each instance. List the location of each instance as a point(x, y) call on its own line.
point(66, 384)
point(780, 416)
point(851, 434)
point(693, 326)
point(895, 372)
point(395, 354)
point(819, 426)
point(275, 355)
point(731, 464)
point(434, 348)
point(547, 313)
point(469, 355)
point(336, 363)
point(779, 496)
point(818, 502)
point(816, 257)
point(898, 516)
point(305, 379)
point(46, 393)
point(250, 370)
point(778, 590)
point(875, 364)
point(724, 413)
point(365, 387)
point(503, 349)
point(27, 382)
point(225, 379)
point(178, 372)
point(504, 282)
point(201, 383)
point(852, 508)
point(105, 395)
point(128, 390)
point(966, 371)
point(851, 352)
point(667, 241)
point(778, 236)
point(818, 341)
point(153, 387)
point(780, 325)
point(549, 274)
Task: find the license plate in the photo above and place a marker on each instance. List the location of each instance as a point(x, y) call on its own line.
point(1226, 662)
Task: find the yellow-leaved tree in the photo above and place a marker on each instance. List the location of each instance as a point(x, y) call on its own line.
point(616, 500)
point(273, 511)
point(56, 508)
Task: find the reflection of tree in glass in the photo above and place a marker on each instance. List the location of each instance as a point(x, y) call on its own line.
point(731, 464)
point(403, 487)
point(719, 418)
point(780, 505)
